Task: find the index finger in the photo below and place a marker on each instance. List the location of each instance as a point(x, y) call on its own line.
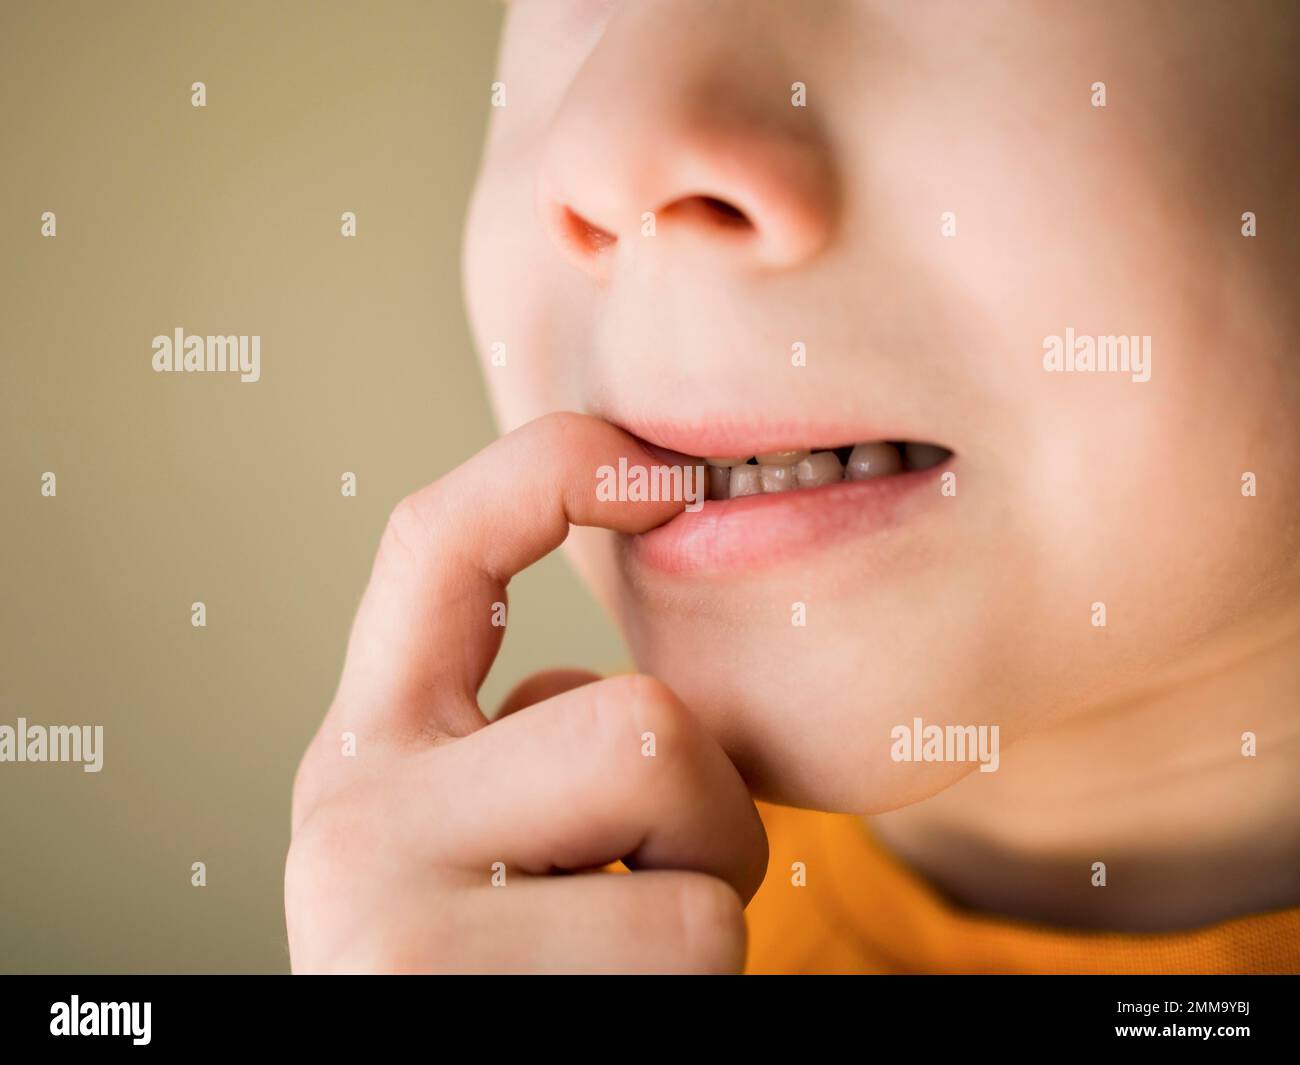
point(424, 635)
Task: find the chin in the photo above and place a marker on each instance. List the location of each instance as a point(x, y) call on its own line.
point(811, 735)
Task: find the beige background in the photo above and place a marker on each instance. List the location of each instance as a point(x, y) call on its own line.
point(177, 488)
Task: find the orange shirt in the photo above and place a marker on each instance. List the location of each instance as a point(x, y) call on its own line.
point(862, 911)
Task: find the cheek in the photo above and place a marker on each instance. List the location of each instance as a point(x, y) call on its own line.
point(1148, 486)
point(1132, 554)
point(526, 345)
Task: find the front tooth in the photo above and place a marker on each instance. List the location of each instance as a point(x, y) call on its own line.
point(719, 476)
point(777, 478)
point(727, 462)
point(868, 461)
point(744, 482)
point(822, 467)
point(782, 458)
point(923, 456)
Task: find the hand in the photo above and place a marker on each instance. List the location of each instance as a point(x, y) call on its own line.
point(441, 844)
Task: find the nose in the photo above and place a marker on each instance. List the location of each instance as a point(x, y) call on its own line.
point(657, 149)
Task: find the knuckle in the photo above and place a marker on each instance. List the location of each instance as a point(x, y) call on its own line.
point(306, 787)
point(352, 904)
point(318, 849)
point(433, 942)
point(648, 701)
point(712, 921)
point(561, 432)
point(307, 869)
point(635, 705)
point(336, 840)
point(562, 425)
point(310, 783)
point(407, 527)
point(317, 777)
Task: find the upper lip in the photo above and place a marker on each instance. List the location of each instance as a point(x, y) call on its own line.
point(722, 437)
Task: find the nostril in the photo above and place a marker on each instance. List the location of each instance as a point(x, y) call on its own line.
point(708, 211)
point(585, 236)
point(584, 242)
point(726, 213)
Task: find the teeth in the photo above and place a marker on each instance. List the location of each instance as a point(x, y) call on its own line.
point(719, 478)
point(782, 458)
point(818, 469)
point(785, 471)
point(923, 456)
point(777, 478)
point(744, 482)
point(872, 460)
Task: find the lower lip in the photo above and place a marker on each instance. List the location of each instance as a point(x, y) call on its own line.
point(765, 530)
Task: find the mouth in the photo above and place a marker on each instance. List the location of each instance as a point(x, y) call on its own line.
point(780, 504)
point(800, 470)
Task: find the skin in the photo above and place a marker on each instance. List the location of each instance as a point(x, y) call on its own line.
point(390, 868)
point(1120, 744)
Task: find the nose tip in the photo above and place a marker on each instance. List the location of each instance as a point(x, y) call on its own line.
point(755, 189)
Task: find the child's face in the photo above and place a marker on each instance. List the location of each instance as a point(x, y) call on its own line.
point(1071, 488)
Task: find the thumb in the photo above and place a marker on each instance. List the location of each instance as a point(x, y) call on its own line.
point(542, 686)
